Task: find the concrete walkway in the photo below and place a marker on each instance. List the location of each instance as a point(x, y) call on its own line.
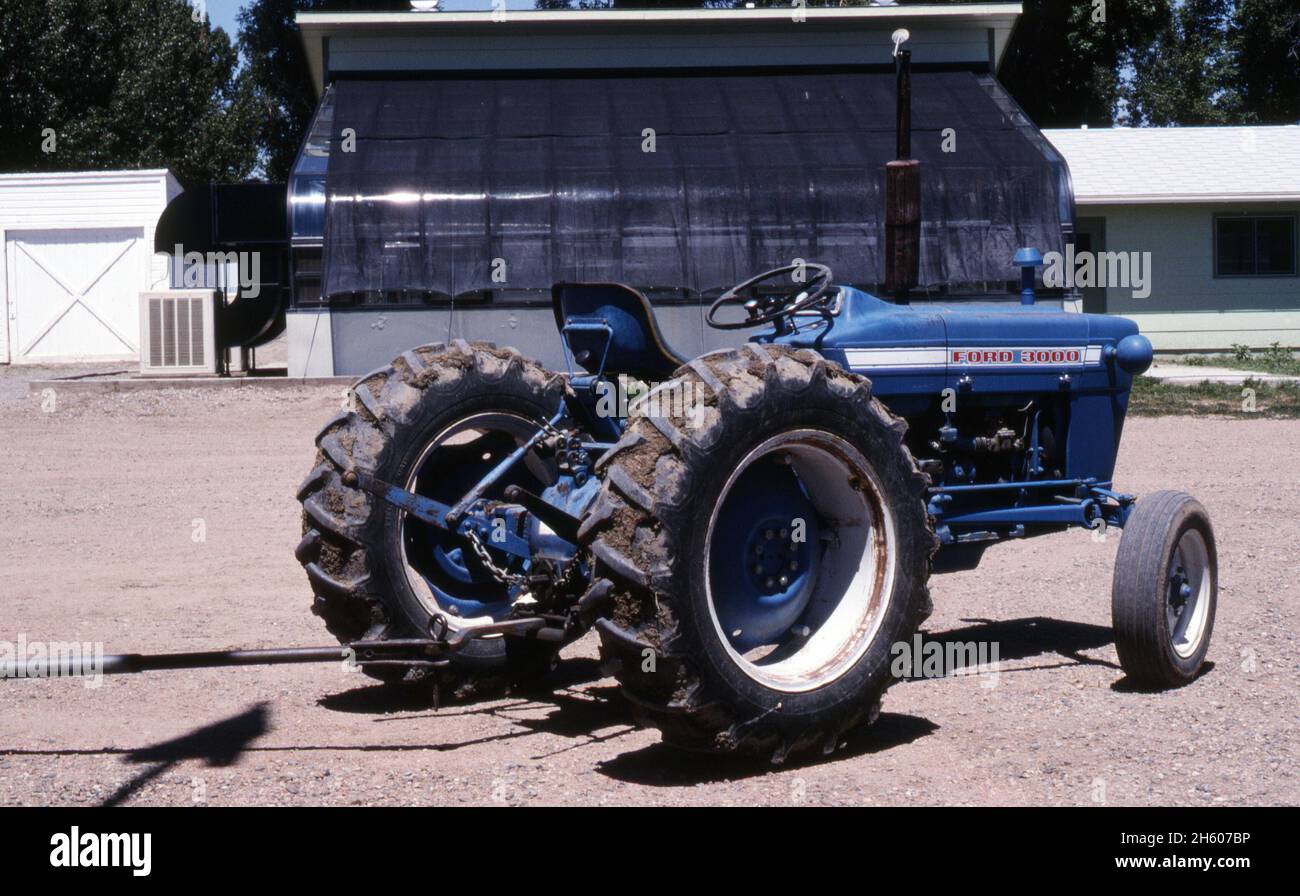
point(134, 383)
point(1189, 375)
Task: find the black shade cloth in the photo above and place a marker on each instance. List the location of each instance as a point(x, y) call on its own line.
point(546, 179)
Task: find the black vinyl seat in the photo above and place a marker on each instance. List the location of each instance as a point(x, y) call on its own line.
point(613, 323)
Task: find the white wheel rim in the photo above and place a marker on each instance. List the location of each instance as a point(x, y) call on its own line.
point(461, 429)
point(856, 570)
point(1192, 557)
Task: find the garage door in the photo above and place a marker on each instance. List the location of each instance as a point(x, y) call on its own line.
point(74, 293)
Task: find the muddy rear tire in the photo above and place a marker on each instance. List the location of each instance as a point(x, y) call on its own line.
point(665, 526)
point(353, 543)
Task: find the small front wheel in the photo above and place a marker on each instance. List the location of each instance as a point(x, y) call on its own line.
point(1165, 590)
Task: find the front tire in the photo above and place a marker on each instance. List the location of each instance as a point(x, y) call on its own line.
point(1166, 590)
point(727, 632)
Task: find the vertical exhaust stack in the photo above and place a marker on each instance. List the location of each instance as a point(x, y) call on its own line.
point(902, 187)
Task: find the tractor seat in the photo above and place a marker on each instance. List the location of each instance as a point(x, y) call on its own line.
point(615, 324)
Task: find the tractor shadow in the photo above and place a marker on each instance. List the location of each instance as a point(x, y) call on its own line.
point(1127, 686)
point(218, 745)
point(581, 712)
point(1017, 639)
point(378, 698)
point(660, 765)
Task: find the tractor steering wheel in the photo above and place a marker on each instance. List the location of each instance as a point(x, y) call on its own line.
point(765, 309)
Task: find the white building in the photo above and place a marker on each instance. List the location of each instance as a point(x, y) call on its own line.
point(78, 251)
point(1216, 207)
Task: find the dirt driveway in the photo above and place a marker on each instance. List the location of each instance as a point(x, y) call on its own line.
point(166, 521)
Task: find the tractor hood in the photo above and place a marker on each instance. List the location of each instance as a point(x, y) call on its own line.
point(993, 356)
point(984, 347)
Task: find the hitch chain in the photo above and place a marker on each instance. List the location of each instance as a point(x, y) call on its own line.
point(504, 576)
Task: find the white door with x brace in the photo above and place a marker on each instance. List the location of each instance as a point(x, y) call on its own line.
point(74, 293)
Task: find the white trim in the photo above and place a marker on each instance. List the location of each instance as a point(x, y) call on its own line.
point(54, 177)
point(322, 21)
point(1185, 198)
point(316, 28)
point(5, 310)
point(923, 357)
point(135, 223)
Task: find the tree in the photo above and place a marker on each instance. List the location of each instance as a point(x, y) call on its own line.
point(277, 81)
point(1064, 62)
point(1265, 41)
point(99, 84)
point(276, 76)
point(1069, 62)
point(1187, 76)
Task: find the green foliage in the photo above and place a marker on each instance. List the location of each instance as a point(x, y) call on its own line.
point(277, 82)
point(1187, 75)
point(1265, 41)
point(1278, 353)
point(122, 84)
point(1276, 359)
point(1153, 398)
point(138, 83)
point(1156, 62)
point(276, 78)
point(1064, 60)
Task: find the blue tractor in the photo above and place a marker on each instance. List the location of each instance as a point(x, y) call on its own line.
point(750, 531)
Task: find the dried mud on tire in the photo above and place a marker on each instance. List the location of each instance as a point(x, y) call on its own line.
point(346, 549)
point(644, 539)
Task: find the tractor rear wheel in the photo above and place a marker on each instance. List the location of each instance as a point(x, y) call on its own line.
point(1165, 591)
point(767, 542)
point(435, 421)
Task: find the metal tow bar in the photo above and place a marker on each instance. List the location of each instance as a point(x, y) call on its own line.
point(422, 652)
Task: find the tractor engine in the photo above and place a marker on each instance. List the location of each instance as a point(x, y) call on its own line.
point(1014, 413)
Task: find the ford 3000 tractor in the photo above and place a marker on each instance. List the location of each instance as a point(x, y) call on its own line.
point(755, 529)
point(752, 531)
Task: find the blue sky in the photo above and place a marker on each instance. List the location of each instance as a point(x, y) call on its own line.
point(223, 12)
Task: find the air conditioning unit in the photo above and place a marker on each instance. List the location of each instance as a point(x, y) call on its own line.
point(178, 332)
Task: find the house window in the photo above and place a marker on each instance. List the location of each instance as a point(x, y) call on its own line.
point(1255, 246)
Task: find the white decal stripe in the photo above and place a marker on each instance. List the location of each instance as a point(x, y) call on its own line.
point(938, 357)
point(879, 358)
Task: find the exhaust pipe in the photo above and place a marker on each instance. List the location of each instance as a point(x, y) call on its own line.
point(902, 186)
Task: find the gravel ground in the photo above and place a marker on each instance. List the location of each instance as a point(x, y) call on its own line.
point(166, 521)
